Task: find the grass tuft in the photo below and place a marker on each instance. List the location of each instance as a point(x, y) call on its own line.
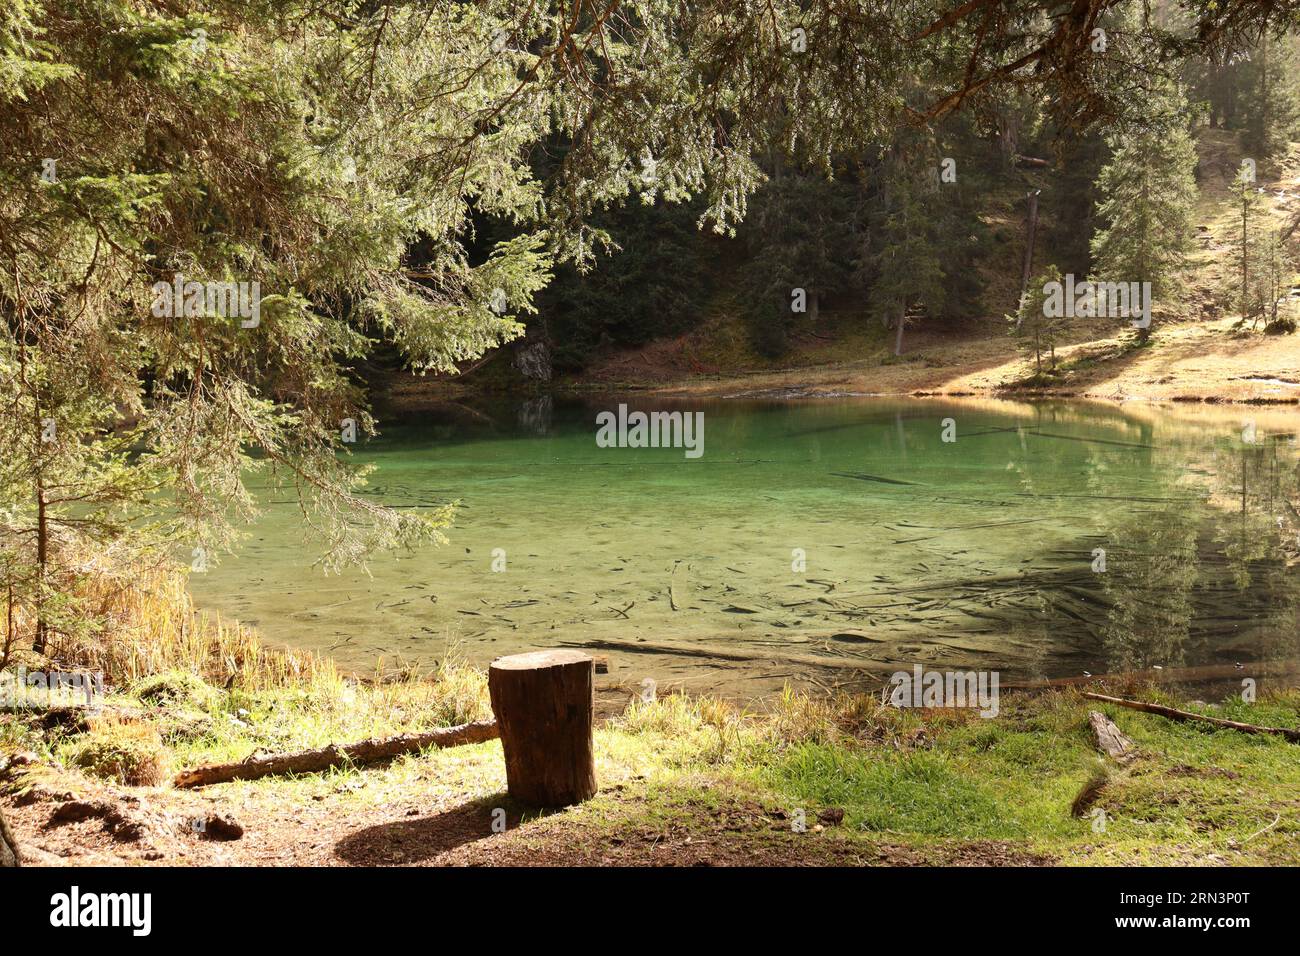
point(125, 751)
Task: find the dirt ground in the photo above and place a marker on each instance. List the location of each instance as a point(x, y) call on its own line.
point(74, 821)
point(1202, 360)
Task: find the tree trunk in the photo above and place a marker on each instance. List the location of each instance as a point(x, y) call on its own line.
point(1230, 99)
point(898, 332)
point(1008, 138)
point(8, 846)
point(10, 634)
point(1245, 254)
point(1265, 106)
point(544, 704)
point(42, 559)
point(1032, 199)
point(1144, 332)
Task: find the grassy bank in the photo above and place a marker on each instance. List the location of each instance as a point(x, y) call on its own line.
point(807, 780)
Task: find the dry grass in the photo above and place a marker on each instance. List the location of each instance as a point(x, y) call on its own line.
point(208, 690)
point(149, 626)
point(123, 750)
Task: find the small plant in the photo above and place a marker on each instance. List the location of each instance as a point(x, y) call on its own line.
point(1284, 325)
point(175, 687)
point(460, 692)
point(157, 629)
point(671, 715)
point(1036, 332)
point(128, 752)
point(798, 717)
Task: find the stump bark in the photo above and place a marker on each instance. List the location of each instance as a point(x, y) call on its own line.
point(544, 705)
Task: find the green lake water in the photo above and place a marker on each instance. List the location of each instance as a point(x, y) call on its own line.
point(821, 542)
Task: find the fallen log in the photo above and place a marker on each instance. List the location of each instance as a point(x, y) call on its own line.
point(1174, 714)
point(1110, 739)
point(311, 761)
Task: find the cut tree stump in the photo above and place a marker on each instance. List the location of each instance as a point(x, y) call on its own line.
point(1110, 739)
point(544, 705)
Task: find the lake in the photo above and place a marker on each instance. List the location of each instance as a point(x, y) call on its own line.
point(826, 543)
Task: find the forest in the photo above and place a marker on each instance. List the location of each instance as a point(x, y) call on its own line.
point(964, 531)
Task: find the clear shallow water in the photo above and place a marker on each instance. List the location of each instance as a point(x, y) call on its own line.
point(977, 553)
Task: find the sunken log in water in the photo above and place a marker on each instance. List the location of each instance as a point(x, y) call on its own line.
point(544, 704)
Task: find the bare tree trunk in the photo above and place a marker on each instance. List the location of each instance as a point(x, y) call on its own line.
point(1008, 138)
point(1032, 199)
point(10, 636)
point(898, 332)
point(42, 527)
point(8, 846)
point(1144, 332)
point(1230, 99)
point(42, 559)
point(1245, 256)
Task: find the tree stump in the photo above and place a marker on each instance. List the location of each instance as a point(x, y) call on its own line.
point(544, 705)
point(1110, 739)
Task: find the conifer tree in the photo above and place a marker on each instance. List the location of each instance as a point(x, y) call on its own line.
point(799, 231)
point(908, 268)
point(1246, 241)
point(1270, 97)
point(1147, 191)
point(1275, 270)
point(1036, 331)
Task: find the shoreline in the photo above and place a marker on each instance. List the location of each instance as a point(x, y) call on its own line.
point(1227, 367)
point(682, 781)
